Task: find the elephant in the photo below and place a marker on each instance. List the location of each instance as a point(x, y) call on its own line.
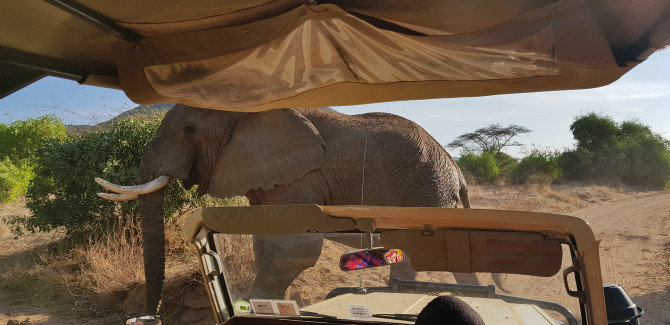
point(287, 156)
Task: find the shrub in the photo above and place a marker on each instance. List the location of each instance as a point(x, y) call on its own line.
point(576, 164)
point(629, 152)
point(19, 142)
point(593, 131)
point(538, 165)
point(14, 179)
point(506, 165)
point(22, 139)
point(644, 158)
point(63, 193)
point(483, 167)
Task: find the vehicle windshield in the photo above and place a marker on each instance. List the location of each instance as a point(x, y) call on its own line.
point(302, 276)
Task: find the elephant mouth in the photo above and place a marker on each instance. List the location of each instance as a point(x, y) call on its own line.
point(196, 178)
point(127, 193)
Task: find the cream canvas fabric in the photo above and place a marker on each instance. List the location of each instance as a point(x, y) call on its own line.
point(264, 54)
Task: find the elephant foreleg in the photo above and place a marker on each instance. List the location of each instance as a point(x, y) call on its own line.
point(280, 259)
point(466, 278)
point(403, 270)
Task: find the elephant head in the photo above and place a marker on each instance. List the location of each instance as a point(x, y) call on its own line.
point(225, 154)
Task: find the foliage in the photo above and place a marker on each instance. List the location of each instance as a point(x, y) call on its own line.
point(19, 143)
point(576, 164)
point(14, 179)
point(629, 152)
point(640, 158)
point(22, 139)
point(482, 167)
point(63, 193)
point(537, 165)
point(491, 139)
point(507, 164)
point(593, 132)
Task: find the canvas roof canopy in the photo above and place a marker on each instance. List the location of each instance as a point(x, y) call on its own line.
point(260, 54)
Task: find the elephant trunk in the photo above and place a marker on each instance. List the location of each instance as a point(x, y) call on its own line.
point(150, 204)
point(153, 241)
point(152, 224)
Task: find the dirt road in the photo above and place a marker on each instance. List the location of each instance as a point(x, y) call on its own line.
point(26, 315)
point(635, 249)
point(635, 252)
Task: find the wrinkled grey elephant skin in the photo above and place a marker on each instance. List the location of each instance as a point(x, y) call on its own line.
point(292, 156)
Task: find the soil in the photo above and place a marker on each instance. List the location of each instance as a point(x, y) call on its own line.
point(635, 249)
point(27, 315)
point(635, 252)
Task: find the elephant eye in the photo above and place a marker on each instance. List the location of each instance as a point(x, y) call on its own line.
point(189, 130)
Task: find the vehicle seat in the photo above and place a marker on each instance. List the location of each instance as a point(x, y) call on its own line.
point(448, 310)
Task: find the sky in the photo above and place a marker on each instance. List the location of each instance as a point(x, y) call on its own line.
point(643, 94)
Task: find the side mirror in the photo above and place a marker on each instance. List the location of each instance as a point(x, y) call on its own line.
point(620, 308)
point(368, 258)
point(154, 319)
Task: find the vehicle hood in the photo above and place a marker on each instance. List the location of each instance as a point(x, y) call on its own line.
point(493, 311)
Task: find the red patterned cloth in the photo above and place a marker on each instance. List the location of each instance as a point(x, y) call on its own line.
point(362, 260)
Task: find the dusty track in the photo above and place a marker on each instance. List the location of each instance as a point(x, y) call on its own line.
point(635, 249)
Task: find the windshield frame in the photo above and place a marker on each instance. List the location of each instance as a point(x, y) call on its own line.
point(575, 232)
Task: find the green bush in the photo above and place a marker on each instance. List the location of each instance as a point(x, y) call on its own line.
point(22, 139)
point(19, 142)
point(629, 152)
point(506, 164)
point(576, 164)
point(641, 158)
point(63, 194)
point(14, 179)
point(593, 131)
point(539, 165)
point(482, 167)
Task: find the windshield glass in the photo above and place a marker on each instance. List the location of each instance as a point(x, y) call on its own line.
point(301, 275)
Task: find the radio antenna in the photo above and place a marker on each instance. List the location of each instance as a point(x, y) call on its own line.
point(365, 151)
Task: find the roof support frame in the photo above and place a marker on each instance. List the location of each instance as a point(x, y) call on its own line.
point(96, 19)
point(18, 78)
point(47, 65)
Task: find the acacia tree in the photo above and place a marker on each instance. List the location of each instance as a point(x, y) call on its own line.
point(491, 139)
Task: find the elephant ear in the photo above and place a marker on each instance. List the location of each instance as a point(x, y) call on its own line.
point(266, 149)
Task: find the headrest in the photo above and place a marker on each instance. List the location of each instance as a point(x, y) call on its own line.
point(448, 310)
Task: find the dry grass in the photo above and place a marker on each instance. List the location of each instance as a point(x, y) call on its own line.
point(113, 263)
point(104, 279)
point(237, 252)
point(561, 198)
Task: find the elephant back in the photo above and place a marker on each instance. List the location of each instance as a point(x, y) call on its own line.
point(384, 159)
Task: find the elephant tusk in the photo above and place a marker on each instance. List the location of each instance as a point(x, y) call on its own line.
point(145, 188)
point(117, 197)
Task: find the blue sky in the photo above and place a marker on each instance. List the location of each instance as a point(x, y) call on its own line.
point(642, 94)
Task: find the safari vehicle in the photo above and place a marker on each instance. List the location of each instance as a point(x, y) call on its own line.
point(551, 260)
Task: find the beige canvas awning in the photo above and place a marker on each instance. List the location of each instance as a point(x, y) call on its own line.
point(256, 55)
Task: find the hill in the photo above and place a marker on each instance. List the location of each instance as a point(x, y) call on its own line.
point(141, 110)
